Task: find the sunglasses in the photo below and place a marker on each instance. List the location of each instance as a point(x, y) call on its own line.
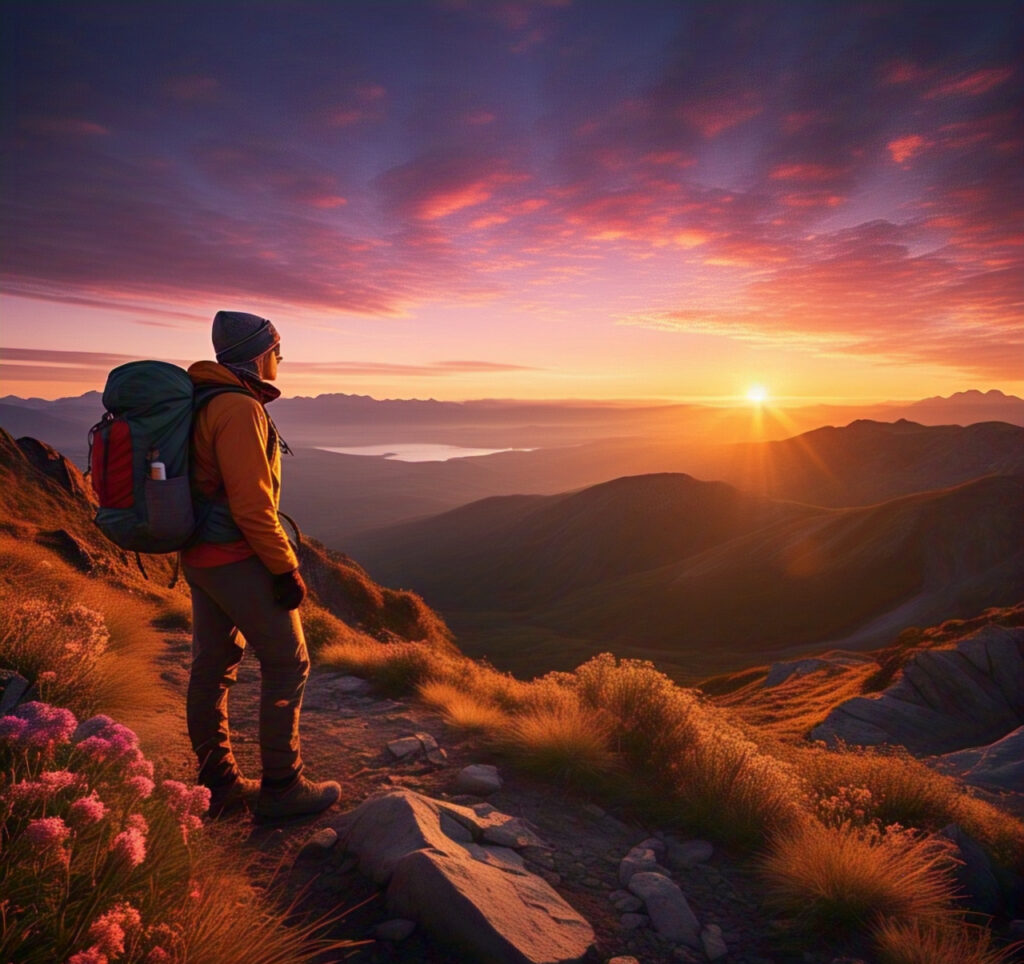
point(277, 352)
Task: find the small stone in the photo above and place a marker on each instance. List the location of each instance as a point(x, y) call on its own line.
point(427, 741)
point(622, 960)
point(319, 845)
point(479, 778)
point(14, 688)
point(592, 882)
point(668, 908)
point(637, 861)
point(714, 944)
point(394, 930)
point(438, 757)
point(632, 922)
point(404, 747)
point(617, 895)
point(593, 810)
point(551, 877)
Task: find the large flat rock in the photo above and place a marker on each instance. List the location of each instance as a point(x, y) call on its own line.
point(441, 871)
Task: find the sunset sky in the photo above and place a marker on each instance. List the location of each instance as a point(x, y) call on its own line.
point(464, 199)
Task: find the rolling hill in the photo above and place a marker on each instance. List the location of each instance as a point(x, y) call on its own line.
point(701, 575)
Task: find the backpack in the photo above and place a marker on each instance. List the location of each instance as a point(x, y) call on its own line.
point(139, 457)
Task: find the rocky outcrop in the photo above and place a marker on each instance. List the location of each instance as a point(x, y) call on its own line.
point(945, 700)
point(998, 766)
point(55, 466)
point(452, 870)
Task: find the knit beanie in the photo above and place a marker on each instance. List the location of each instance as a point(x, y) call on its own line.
point(239, 337)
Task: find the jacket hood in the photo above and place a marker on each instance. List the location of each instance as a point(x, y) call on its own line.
point(213, 373)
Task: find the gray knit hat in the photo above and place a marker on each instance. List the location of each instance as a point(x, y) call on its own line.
point(240, 337)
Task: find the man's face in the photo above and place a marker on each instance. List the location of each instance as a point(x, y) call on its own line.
point(268, 363)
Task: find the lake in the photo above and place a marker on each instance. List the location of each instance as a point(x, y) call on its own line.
point(417, 451)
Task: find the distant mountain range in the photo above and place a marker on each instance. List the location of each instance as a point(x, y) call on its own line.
point(339, 419)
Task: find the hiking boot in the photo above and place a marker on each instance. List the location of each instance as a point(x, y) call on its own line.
point(302, 798)
point(232, 797)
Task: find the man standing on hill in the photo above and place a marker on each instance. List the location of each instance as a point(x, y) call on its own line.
point(244, 576)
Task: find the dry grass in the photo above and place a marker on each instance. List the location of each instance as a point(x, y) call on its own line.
point(465, 710)
point(396, 668)
point(904, 790)
point(568, 742)
point(917, 942)
point(836, 881)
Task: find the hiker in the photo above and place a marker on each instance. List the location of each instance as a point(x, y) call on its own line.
point(244, 576)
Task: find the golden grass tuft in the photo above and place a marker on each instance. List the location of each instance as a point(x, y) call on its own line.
point(919, 942)
point(465, 710)
point(836, 880)
point(568, 742)
point(396, 668)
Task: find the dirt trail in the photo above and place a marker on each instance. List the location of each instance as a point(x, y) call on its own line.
point(345, 732)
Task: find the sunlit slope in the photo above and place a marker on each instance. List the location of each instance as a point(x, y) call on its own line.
point(867, 462)
point(46, 521)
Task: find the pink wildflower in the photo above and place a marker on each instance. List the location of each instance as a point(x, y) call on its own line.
point(110, 929)
point(47, 832)
point(141, 786)
point(26, 792)
point(87, 810)
point(92, 956)
point(58, 780)
point(11, 728)
point(47, 676)
point(157, 956)
point(130, 846)
point(47, 724)
point(187, 803)
point(140, 766)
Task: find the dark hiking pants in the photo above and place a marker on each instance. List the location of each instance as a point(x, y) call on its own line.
point(233, 605)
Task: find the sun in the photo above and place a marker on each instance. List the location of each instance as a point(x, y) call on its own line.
point(757, 394)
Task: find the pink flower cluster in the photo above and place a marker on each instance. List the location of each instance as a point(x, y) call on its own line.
point(49, 784)
point(129, 845)
point(86, 811)
point(109, 931)
point(187, 803)
point(47, 833)
point(40, 726)
point(102, 741)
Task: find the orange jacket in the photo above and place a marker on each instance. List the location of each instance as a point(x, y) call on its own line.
point(230, 456)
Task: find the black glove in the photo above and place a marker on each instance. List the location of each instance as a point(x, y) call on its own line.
point(289, 589)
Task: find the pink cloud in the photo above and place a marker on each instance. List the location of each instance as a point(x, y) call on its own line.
point(862, 292)
point(903, 149)
point(972, 84)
